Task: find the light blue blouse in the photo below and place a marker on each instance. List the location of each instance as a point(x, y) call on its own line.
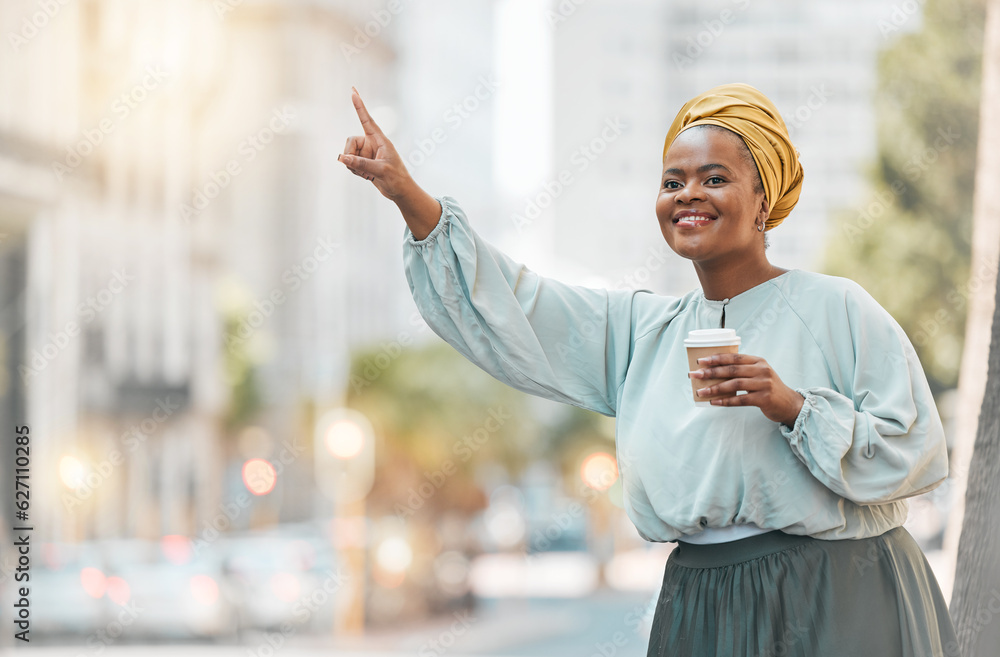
point(868, 435)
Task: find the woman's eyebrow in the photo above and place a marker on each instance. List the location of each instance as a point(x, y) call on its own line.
point(702, 169)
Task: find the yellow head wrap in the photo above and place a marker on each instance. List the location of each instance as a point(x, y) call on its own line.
point(750, 114)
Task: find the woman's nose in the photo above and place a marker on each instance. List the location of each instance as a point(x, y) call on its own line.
point(690, 193)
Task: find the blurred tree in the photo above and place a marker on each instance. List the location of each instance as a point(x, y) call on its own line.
point(908, 243)
point(445, 422)
point(976, 595)
point(240, 374)
point(439, 416)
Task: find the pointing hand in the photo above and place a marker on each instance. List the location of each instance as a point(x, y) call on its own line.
point(373, 157)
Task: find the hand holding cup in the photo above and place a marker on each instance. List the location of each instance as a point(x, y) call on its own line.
point(727, 373)
point(718, 371)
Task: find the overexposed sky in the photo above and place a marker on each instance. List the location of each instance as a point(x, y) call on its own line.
point(523, 136)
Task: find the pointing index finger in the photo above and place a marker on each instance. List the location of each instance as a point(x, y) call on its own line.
point(369, 125)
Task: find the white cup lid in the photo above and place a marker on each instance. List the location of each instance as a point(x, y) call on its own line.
point(711, 337)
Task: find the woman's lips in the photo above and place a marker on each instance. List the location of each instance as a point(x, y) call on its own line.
point(693, 221)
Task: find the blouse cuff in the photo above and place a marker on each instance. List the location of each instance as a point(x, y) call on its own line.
point(437, 230)
point(794, 433)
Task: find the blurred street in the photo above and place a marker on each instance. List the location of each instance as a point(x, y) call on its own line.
point(605, 623)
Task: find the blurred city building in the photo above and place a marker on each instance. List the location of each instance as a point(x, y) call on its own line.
point(634, 64)
point(171, 204)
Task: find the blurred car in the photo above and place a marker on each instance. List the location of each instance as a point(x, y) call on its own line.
point(174, 590)
point(67, 589)
point(287, 575)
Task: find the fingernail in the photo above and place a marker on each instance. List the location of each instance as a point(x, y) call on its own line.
point(338, 157)
point(702, 360)
point(701, 392)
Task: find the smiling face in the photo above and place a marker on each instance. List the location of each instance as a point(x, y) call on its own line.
point(710, 198)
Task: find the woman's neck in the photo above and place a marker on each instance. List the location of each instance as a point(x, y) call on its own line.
point(720, 282)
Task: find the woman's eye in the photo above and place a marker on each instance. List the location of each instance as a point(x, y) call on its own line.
point(716, 178)
point(668, 184)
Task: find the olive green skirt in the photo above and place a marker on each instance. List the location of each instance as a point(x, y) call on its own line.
point(781, 595)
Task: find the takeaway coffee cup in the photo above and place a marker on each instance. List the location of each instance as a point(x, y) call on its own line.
point(706, 342)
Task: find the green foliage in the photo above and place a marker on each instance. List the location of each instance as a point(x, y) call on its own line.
point(431, 407)
point(241, 375)
point(909, 242)
point(427, 401)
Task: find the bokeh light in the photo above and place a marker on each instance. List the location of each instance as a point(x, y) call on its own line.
point(259, 476)
point(505, 523)
point(94, 582)
point(118, 590)
point(204, 590)
point(345, 439)
point(72, 471)
point(394, 554)
point(176, 548)
point(504, 518)
point(599, 471)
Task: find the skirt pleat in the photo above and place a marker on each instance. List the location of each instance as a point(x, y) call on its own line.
point(779, 595)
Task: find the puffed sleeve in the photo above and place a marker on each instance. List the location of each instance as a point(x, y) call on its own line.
point(566, 343)
point(878, 437)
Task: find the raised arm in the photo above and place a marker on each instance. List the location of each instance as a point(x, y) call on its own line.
point(373, 157)
point(566, 343)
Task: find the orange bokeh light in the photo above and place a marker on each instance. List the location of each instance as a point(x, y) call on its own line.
point(599, 471)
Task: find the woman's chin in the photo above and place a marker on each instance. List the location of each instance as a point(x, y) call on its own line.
point(689, 249)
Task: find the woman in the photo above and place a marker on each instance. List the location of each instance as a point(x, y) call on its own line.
point(787, 507)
